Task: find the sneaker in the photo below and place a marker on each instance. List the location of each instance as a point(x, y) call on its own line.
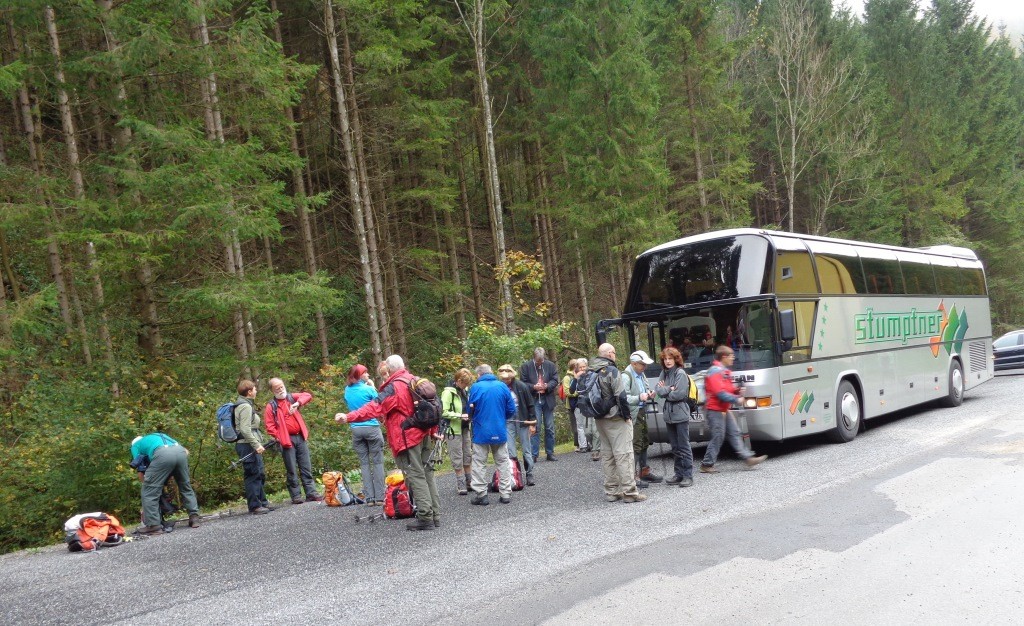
point(463, 491)
point(150, 530)
point(756, 460)
point(551, 457)
point(504, 499)
point(193, 520)
point(315, 498)
point(582, 449)
point(708, 469)
point(481, 500)
point(686, 482)
point(675, 480)
point(649, 476)
point(420, 524)
point(613, 497)
point(297, 500)
point(640, 497)
point(529, 481)
point(260, 510)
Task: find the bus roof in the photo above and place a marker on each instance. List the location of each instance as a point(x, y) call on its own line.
point(948, 251)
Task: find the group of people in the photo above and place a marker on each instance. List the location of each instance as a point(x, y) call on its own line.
point(484, 415)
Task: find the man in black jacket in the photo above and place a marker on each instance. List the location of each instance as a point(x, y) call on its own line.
point(541, 376)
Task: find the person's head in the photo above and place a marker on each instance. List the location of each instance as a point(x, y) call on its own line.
point(483, 369)
point(382, 370)
point(463, 378)
point(687, 342)
point(571, 366)
point(395, 363)
point(709, 340)
point(607, 351)
point(639, 360)
point(278, 388)
point(670, 357)
point(357, 373)
point(581, 365)
point(507, 374)
point(725, 355)
point(247, 388)
point(539, 354)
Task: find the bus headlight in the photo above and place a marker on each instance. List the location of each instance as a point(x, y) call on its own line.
point(750, 403)
point(759, 402)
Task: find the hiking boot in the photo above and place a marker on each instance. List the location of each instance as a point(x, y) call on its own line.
point(675, 480)
point(686, 482)
point(708, 469)
point(649, 476)
point(420, 524)
point(613, 497)
point(481, 500)
point(583, 449)
point(756, 460)
point(529, 481)
point(297, 500)
point(193, 520)
point(260, 510)
point(505, 499)
point(640, 497)
point(437, 522)
point(149, 530)
point(460, 484)
point(595, 456)
point(551, 457)
point(315, 498)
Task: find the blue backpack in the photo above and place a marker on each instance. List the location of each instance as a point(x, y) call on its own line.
point(226, 423)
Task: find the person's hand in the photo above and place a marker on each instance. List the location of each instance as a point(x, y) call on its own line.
point(259, 450)
point(340, 417)
point(661, 383)
point(465, 417)
point(533, 430)
point(671, 388)
point(142, 477)
point(295, 407)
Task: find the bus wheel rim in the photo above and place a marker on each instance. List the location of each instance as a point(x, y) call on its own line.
point(958, 382)
point(850, 411)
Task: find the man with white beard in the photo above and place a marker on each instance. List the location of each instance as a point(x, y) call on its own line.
point(284, 423)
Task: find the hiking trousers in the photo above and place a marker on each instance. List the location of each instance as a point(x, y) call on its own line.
point(523, 434)
point(254, 475)
point(500, 453)
point(617, 456)
point(167, 462)
point(419, 475)
point(368, 443)
point(297, 465)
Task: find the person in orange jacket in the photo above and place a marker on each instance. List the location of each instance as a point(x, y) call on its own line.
point(284, 422)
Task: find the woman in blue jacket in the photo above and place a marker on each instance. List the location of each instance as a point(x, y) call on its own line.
point(367, 439)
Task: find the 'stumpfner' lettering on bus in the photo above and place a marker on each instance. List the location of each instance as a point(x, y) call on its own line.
point(872, 327)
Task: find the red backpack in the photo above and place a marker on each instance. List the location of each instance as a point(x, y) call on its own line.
point(397, 502)
point(517, 477)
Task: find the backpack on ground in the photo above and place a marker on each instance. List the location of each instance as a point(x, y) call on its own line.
point(516, 473)
point(592, 401)
point(91, 531)
point(226, 430)
point(398, 502)
point(336, 491)
point(426, 405)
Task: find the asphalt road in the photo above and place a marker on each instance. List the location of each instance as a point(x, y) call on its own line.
point(915, 521)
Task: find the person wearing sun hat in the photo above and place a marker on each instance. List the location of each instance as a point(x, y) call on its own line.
point(638, 395)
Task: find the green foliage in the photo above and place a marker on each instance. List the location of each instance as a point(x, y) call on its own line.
point(486, 344)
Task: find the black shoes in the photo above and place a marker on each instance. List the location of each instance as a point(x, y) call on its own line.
point(149, 530)
point(529, 481)
point(193, 520)
point(315, 498)
point(260, 510)
point(675, 480)
point(420, 524)
point(551, 457)
point(481, 500)
point(297, 500)
point(504, 500)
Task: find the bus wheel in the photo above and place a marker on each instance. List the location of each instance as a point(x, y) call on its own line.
point(848, 413)
point(955, 397)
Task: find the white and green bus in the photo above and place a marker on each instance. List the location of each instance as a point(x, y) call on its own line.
point(827, 333)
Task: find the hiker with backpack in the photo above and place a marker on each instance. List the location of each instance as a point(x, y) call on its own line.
point(541, 376)
point(638, 396)
point(455, 409)
point(249, 447)
point(674, 388)
point(367, 440)
point(285, 424)
point(602, 398)
point(490, 406)
point(410, 437)
point(524, 423)
point(166, 458)
point(566, 393)
point(720, 395)
point(587, 425)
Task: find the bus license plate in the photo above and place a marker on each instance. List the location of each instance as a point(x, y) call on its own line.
point(696, 416)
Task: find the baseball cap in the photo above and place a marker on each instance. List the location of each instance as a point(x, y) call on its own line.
point(640, 357)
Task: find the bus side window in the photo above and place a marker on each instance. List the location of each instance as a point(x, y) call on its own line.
point(804, 313)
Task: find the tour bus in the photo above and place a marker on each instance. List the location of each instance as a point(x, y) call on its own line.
point(827, 333)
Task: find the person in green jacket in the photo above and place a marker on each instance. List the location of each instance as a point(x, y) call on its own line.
point(454, 408)
point(250, 448)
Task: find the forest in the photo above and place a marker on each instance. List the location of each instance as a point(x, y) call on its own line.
point(194, 191)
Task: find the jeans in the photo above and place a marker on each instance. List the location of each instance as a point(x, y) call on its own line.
point(546, 418)
point(167, 461)
point(254, 476)
point(723, 426)
point(298, 455)
point(419, 476)
point(523, 433)
point(679, 438)
point(617, 456)
point(368, 443)
point(480, 481)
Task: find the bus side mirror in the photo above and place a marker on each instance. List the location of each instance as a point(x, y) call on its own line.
point(787, 322)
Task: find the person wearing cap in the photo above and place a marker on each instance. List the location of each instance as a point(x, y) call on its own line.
point(167, 459)
point(491, 406)
point(524, 423)
point(638, 395)
point(367, 438)
point(722, 394)
point(542, 377)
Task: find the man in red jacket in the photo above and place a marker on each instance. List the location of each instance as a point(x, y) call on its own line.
point(411, 447)
point(720, 394)
point(284, 422)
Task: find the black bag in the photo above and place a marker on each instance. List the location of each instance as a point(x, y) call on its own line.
point(591, 401)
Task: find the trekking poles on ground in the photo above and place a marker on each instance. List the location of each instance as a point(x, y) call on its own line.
point(245, 458)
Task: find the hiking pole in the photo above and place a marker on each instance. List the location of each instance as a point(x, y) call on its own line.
point(245, 458)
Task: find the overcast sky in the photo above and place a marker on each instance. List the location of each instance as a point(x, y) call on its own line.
point(995, 12)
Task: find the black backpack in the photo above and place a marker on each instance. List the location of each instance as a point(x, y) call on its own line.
point(426, 405)
point(591, 401)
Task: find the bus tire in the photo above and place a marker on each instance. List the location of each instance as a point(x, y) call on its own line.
point(848, 413)
point(955, 395)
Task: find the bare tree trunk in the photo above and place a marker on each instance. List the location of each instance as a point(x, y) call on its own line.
point(394, 294)
point(581, 283)
point(5, 258)
point(698, 159)
point(5, 320)
point(250, 334)
point(474, 271)
point(78, 185)
point(453, 264)
point(268, 256)
point(353, 182)
point(614, 271)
